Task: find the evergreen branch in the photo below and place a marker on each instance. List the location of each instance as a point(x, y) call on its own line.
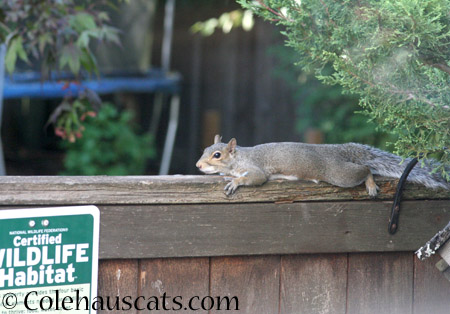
point(328, 13)
point(440, 66)
point(437, 63)
point(395, 48)
point(277, 13)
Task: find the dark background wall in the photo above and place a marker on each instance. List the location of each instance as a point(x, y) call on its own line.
point(229, 85)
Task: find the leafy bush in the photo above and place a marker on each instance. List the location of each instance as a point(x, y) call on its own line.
point(56, 32)
point(57, 35)
point(109, 146)
point(392, 54)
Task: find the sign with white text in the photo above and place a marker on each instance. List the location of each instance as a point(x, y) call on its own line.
point(48, 259)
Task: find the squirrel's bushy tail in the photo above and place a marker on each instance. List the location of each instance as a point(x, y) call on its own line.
point(390, 165)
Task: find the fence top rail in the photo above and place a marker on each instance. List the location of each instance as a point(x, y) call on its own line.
point(184, 189)
point(190, 216)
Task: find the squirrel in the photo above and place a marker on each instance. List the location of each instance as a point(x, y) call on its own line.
point(344, 165)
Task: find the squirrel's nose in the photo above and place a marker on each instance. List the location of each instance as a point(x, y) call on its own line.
point(199, 166)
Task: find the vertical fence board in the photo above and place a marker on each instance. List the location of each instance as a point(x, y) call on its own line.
point(264, 112)
point(274, 108)
point(117, 278)
point(380, 283)
point(241, 124)
point(176, 277)
point(431, 288)
point(313, 283)
point(228, 55)
point(253, 280)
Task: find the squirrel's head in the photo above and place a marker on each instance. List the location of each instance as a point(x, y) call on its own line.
point(217, 157)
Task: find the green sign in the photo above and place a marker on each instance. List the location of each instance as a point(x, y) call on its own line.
point(48, 259)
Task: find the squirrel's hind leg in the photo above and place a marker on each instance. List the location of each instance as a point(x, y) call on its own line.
point(349, 174)
point(371, 187)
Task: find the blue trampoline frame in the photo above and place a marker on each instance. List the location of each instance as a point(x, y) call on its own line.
point(30, 84)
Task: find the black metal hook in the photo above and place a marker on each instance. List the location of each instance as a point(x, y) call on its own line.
point(395, 211)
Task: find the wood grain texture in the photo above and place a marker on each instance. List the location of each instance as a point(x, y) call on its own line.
point(380, 283)
point(313, 284)
point(118, 278)
point(431, 288)
point(253, 280)
point(180, 279)
point(98, 190)
point(152, 231)
point(155, 231)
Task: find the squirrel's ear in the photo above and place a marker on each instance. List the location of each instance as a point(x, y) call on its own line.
point(217, 139)
point(231, 145)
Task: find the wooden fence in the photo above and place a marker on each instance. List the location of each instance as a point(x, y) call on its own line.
point(284, 247)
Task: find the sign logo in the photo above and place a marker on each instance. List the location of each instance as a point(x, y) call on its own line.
point(48, 259)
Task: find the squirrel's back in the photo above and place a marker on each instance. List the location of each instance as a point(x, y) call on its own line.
point(317, 155)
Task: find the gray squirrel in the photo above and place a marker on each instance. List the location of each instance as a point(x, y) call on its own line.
point(344, 165)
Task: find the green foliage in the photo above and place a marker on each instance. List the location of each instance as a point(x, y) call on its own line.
point(15, 50)
point(394, 55)
point(227, 21)
point(335, 114)
point(109, 146)
point(56, 34)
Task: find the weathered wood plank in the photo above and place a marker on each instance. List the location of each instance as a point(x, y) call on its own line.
point(176, 281)
point(431, 288)
point(48, 190)
point(117, 278)
point(380, 283)
point(254, 281)
point(241, 229)
point(313, 284)
point(152, 231)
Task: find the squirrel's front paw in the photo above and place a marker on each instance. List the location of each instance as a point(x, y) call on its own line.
point(231, 187)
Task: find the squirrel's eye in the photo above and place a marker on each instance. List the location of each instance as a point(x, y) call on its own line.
point(217, 155)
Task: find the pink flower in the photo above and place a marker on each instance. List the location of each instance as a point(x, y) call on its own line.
point(92, 114)
point(60, 132)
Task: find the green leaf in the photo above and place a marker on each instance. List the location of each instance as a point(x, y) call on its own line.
point(15, 49)
point(83, 40)
point(88, 61)
point(45, 39)
point(103, 16)
point(111, 34)
point(82, 21)
point(70, 55)
point(11, 57)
